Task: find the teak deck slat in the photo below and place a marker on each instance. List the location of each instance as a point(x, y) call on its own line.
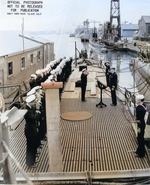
point(104, 141)
point(70, 86)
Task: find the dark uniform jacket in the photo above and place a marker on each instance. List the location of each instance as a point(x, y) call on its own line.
point(107, 69)
point(32, 83)
point(39, 80)
point(113, 80)
point(31, 117)
point(140, 114)
point(83, 80)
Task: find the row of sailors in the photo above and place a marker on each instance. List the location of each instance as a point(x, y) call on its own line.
point(35, 128)
point(59, 72)
point(41, 75)
point(63, 69)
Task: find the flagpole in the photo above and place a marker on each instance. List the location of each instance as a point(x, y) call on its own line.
point(23, 33)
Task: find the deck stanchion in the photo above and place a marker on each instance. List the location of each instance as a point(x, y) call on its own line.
point(75, 55)
point(53, 120)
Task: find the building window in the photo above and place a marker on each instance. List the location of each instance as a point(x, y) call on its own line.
point(22, 62)
point(149, 30)
point(10, 68)
point(31, 56)
point(39, 56)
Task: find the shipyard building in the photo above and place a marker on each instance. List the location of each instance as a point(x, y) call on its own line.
point(20, 57)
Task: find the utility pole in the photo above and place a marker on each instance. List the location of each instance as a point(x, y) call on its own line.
point(23, 32)
point(115, 14)
point(75, 55)
point(134, 87)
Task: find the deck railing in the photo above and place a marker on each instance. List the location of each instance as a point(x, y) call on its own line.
point(7, 120)
point(130, 100)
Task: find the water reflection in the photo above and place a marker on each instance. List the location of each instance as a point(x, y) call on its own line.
point(121, 61)
point(65, 46)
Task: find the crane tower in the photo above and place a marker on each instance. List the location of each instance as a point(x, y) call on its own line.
point(115, 14)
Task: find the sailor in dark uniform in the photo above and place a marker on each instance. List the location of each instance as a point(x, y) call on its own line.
point(113, 86)
point(107, 73)
point(40, 105)
point(83, 84)
point(44, 72)
point(32, 81)
point(39, 78)
point(140, 114)
point(31, 130)
point(68, 67)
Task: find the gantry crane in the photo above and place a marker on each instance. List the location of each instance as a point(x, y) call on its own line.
point(115, 14)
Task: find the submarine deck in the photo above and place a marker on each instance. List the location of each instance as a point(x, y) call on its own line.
point(105, 142)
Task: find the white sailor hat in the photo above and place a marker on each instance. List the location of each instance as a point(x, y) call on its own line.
point(47, 68)
point(36, 87)
point(60, 71)
point(33, 76)
point(53, 72)
point(30, 99)
point(50, 77)
point(31, 92)
point(56, 71)
point(52, 64)
point(48, 65)
point(56, 61)
point(140, 97)
point(43, 72)
point(38, 72)
point(84, 69)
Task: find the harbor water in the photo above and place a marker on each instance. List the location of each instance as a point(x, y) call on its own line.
point(65, 46)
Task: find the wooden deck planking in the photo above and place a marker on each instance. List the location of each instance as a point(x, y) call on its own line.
point(69, 87)
point(104, 142)
point(17, 142)
point(94, 69)
point(91, 82)
point(75, 75)
point(88, 87)
point(93, 88)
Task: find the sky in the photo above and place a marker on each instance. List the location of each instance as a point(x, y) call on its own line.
point(66, 15)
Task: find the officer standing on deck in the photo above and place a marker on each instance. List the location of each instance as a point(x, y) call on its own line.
point(140, 114)
point(113, 86)
point(83, 84)
point(107, 73)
